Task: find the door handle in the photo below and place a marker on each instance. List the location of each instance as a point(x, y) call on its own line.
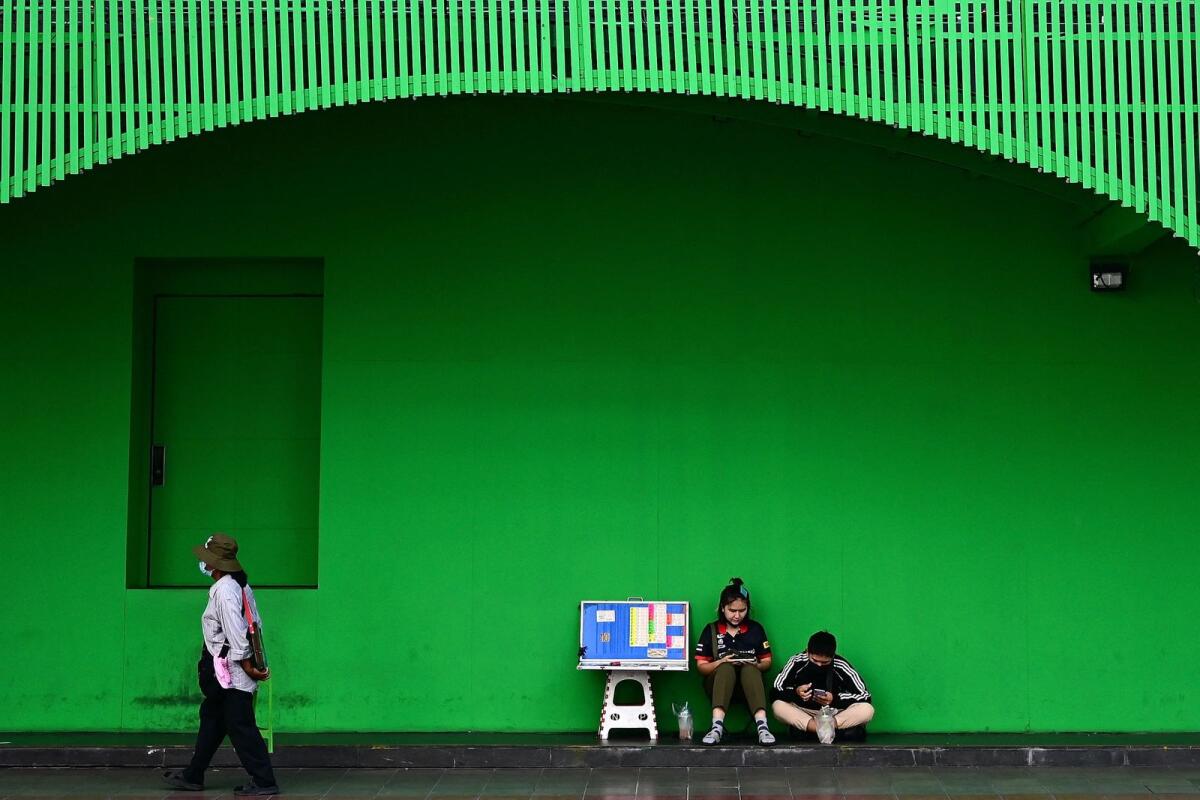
point(158, 464)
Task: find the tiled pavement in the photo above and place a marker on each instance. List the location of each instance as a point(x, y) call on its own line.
point(694, 783)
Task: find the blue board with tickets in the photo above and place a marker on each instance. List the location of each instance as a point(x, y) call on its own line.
point(633, 635)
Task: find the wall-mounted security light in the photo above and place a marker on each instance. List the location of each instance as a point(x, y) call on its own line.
point(1109, 277)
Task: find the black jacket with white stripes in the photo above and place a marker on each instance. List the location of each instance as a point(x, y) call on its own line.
point(839, 677)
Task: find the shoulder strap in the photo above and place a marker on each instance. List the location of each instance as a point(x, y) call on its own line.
point(246, 612)
point(716, 643)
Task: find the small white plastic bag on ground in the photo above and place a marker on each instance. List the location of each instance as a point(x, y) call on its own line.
point(826, 725)
point(684, 716)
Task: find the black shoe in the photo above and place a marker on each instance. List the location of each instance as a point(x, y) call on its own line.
point(250, 790)
point(856, 734)
point(175, 780)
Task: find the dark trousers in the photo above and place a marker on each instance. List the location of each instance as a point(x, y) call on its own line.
point(228, 712)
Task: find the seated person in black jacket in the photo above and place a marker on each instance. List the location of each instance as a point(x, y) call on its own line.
point(820, 677)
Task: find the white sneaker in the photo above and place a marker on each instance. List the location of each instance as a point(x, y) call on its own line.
point(765, 737)
point(713, 736)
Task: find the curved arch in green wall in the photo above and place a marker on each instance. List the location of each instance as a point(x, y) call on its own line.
point(1102, 93)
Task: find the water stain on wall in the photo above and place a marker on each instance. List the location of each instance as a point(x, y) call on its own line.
point(166, 700)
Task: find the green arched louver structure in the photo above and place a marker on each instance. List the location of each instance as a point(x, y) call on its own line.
point(1099, 92)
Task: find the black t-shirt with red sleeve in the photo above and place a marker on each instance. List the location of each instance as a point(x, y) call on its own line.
point(748, 638)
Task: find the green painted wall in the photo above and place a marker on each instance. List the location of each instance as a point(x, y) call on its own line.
point(581, 350)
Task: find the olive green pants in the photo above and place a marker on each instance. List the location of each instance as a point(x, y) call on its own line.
point(721, 684)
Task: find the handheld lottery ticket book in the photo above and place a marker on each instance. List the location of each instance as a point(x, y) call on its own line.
point(633, 635)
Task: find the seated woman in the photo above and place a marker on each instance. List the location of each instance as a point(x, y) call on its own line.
point(733, 652)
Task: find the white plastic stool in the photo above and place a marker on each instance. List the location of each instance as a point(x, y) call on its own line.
point(640, 716)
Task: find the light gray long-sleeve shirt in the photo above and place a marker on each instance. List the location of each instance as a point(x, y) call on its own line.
point(224, 623)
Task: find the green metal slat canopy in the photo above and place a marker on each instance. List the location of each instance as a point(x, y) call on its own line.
point(1099, 92)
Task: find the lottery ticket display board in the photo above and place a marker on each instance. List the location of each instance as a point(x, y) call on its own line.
point(633, 635)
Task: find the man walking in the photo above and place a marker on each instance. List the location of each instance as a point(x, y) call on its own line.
point(228, 675)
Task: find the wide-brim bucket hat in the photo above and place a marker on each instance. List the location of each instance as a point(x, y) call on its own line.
point(219, 552)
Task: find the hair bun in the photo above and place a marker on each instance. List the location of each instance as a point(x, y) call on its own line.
point(734, 590)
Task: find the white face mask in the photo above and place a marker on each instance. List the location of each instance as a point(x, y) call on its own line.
point(205, 569)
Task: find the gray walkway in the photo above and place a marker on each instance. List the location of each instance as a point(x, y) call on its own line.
point(696, 783)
